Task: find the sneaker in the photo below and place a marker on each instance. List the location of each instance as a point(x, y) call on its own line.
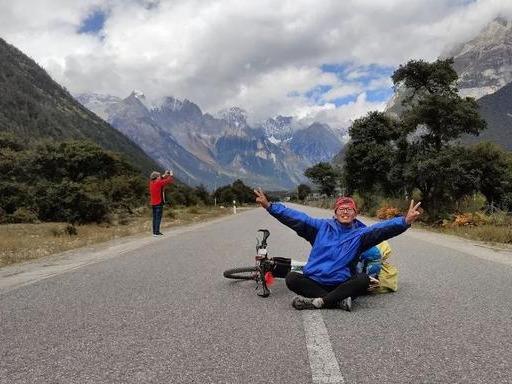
point(155, 235)
point(346, 304)
point(300, 303)
point(159, 234)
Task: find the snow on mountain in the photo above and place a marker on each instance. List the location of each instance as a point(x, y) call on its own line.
point(97, 103)
point(484, 64)
point(278, 128)
point(222, 146)
point(236, 120)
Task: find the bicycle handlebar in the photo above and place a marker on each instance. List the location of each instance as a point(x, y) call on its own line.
point(266, 234)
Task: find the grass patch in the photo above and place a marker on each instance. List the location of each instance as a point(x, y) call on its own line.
point(22, 242)
point(487, 232)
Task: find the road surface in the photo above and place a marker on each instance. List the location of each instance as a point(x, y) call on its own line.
point(146, 310)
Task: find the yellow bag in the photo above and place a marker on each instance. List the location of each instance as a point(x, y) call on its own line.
point(388, 275)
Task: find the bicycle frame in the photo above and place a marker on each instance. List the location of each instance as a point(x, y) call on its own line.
point(265, 268)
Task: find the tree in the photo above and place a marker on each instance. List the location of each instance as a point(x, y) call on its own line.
point(494, 165)
point(303, 190)
point(435, 112)
point(389, 157)
point(238, 191)
point(203, 195)
point(442, 177)
point(371, 153)
point(325, 176)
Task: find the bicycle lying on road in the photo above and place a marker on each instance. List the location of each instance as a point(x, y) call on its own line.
point(266, 268)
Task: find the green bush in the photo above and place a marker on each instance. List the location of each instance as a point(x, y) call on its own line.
point(68, 202)
point(473, 203)
point(69, 181)
point(71, 230)
point(23, 215)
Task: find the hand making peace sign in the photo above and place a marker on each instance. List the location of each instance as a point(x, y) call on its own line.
point(261, 199)
point(413, 213)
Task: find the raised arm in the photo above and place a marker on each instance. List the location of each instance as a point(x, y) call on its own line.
point(167, 178)
point(305, 226)
point(385, 230)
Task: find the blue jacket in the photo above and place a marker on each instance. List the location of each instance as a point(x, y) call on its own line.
point(334, 246)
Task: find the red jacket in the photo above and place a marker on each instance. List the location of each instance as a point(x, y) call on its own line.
point(156, 189)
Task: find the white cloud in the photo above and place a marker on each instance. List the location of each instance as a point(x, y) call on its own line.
point(342, 90)
point(380, 83)
point(262, 55)
point(340, 117)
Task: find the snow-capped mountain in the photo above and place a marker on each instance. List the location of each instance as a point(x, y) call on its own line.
point(222, 147)
point(97, 103)
point(278, 129)
point(484, 64)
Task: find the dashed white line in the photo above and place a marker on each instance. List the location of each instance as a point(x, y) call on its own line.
point(324, 366)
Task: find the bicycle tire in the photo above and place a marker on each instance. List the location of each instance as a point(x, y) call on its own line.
point(243, 273)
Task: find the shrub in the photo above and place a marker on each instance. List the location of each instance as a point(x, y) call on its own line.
point(23, 215)
point(468, 218)
point(3, 216)
point(71, 230)
point(68, 202)
point(471, 203)
point(386, 212)
point(56, 231)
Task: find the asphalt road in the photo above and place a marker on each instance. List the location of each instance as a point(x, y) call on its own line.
point(159, 311)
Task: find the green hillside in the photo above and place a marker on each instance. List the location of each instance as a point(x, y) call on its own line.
point(496, 109)
point(34, 107)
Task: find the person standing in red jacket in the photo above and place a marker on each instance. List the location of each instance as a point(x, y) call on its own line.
point(157, 184)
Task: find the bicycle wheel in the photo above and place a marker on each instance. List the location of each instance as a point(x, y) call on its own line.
point(244, 273)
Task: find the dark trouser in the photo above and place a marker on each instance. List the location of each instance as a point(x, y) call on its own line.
point(157, 217)
point(331, 294)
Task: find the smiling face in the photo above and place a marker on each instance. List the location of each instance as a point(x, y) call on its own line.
point(345, 214)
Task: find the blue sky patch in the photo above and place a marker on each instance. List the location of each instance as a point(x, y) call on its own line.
point(93, 23)
point(379, 95)
point(343, 100)
point(315, 94)
point(371, 78)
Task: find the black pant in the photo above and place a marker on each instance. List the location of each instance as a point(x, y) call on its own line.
point(157, 217)
point(331, 294)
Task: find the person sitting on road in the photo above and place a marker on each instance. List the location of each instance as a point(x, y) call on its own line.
point(327, 281)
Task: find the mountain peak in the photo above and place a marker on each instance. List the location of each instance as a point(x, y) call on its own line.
point(278, 128)
point(172, 103)
point(234, 116)
point(138, 94)
point(483, 63)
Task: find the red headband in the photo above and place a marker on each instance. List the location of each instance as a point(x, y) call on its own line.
point(345, 201)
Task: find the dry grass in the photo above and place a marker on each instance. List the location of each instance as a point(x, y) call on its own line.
point(488, 232)
point(21, 242)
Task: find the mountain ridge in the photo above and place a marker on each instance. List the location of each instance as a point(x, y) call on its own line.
point(224, 142)
point(33, 106)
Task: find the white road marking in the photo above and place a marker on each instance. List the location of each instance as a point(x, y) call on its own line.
point(324, 366)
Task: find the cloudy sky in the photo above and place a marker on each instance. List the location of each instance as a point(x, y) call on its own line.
point(313, 59)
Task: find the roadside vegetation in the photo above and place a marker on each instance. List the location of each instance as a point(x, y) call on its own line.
point(471, 221)
point(24, 241)
point(56, 196)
